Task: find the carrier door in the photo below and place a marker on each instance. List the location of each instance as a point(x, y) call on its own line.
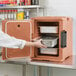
point(20, 30)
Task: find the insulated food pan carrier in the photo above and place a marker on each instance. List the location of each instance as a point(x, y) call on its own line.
point(29, 29)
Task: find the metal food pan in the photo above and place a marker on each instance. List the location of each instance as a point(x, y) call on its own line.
point(48, 29)
point(50, 41)
point(49, 51)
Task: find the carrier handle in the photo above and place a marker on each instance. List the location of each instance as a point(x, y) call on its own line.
point(63, 39)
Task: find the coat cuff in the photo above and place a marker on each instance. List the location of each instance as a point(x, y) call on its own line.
point(23, 43)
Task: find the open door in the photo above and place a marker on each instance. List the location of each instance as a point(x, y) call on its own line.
point(20, 30)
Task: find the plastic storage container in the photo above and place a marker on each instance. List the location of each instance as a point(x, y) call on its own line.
point(50, 41)
point(49, 51)
point(48, 29)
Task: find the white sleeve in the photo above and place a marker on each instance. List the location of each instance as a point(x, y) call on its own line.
point(11, 42)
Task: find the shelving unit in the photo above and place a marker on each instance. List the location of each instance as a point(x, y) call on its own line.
point(26, 8)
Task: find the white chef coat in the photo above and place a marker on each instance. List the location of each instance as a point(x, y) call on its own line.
point(11, 42)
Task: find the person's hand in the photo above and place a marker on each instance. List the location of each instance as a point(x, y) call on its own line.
point(38, 43)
